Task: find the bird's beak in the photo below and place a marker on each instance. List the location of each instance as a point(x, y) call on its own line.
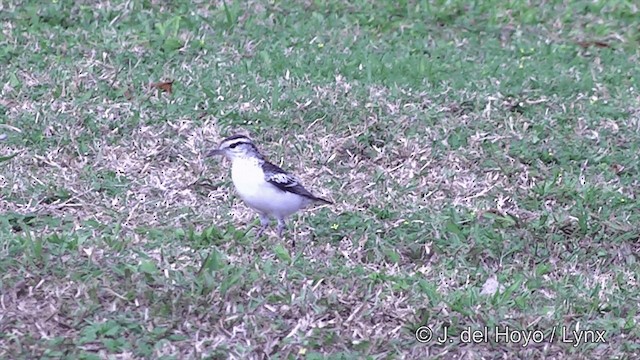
point(215, 152)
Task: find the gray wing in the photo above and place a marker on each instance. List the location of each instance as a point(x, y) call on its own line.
point(285, 181)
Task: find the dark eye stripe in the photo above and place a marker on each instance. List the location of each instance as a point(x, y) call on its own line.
point(234, 145)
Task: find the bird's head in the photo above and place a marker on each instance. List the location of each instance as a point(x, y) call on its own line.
point(236, 146)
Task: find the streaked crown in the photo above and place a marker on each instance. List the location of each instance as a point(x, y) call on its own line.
point(234, 140)
point(236, 146)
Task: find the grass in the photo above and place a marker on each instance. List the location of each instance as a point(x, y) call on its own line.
point(482, 157)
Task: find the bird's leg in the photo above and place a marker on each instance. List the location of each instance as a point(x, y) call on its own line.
point(264, 223)
point(281, 226)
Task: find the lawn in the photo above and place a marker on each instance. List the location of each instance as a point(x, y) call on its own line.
point(482, 157)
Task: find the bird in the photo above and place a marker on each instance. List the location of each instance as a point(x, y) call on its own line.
point(263, 186)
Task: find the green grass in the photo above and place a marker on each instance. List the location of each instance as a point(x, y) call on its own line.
point(482, 157)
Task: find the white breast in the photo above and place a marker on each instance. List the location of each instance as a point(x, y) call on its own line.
point(256, 192)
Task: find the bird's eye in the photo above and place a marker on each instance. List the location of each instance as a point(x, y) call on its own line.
point(234, 145)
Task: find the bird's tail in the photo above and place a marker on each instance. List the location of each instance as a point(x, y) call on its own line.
point(315, 198)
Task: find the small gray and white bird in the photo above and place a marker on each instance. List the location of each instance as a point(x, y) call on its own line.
point(263, 186)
